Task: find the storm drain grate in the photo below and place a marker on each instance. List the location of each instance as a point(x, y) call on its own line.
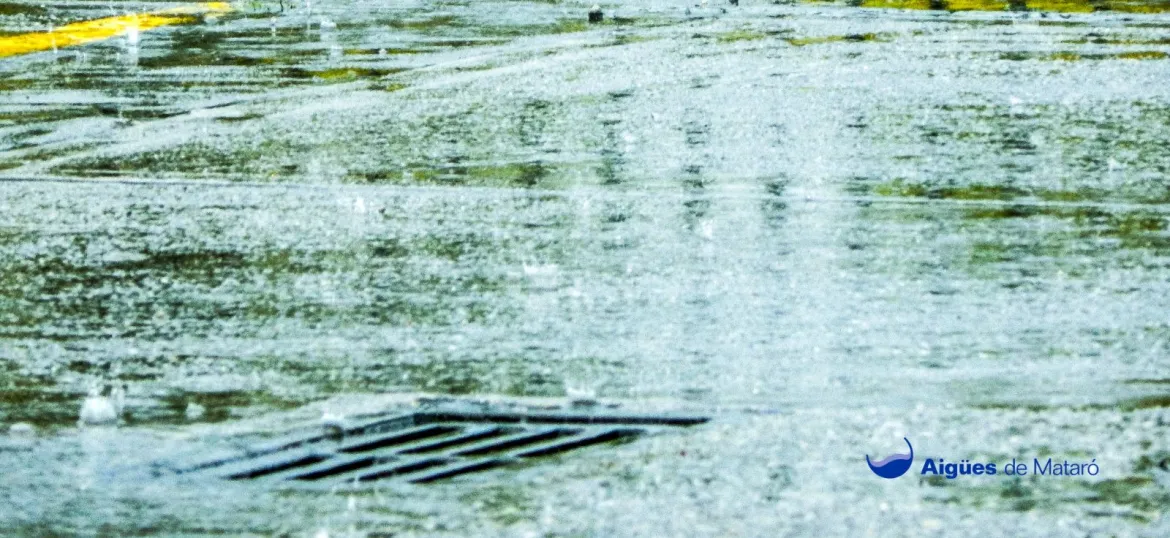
point(428, 446)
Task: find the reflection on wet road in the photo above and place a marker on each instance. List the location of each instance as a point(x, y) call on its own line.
point(831, 226)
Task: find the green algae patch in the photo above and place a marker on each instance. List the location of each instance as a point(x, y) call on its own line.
point(1074, 57)
point(506, 505)
point(1148, 402)
point(48, 153)
point(1147, 462)
point(32, 398)
point(1002, 213)
point(219, 406)
point(1142, 55)
point(1138, 7)
point(1132, 497)
point(977, 192)
point(510, 375)
point(740, 35)
point(199, 159)
point(522, 174)
point(629, 39)
point(846, 38)
point(1079, 195)
point(44, 114)
point(563, 26)
point(1159, 381)
point(1125, 406)
point(423, 25)
point(1130, 230)
point(238, 119)
point(900, 188)
point(16, 10)
point(1136, 223)
point(390, 51)
point(339, 74)
point(1097, 39)
point(1134, 492)
point(1063, 57)
point(461, 43)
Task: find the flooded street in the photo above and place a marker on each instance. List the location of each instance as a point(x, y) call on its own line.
point(826, 226)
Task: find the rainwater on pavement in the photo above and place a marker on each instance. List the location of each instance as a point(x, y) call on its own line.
point(826, 225)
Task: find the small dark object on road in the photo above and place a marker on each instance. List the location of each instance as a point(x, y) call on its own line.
point(734, 2)
point(595, 14)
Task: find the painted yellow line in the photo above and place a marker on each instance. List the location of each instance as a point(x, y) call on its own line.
point(1063, 6)
point(976, 5)
point(80, 33)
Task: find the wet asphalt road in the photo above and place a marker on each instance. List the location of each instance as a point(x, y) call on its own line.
point(826, 226)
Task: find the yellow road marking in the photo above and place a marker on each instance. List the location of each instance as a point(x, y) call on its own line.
point(1063, 6)
point(80, 33)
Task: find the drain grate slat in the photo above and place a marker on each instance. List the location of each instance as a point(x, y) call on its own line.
point(373, 441)
point(468, 437)
point(579, 441)
point(249, 464)
point(541, 417)
point(430, 446)
point(334, 467)
point(239, 455)
point(278, 466)
point(496, 446)
point(467, 468)
point(392, 424)
point(227, 457)
point(401, 468)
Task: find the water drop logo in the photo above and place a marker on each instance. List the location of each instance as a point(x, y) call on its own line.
point(892, 466)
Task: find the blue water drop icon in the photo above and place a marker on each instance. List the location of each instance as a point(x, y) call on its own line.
point(894, 465)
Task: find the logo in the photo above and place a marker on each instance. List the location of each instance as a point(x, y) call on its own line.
point(894, 465)
point(897, 465)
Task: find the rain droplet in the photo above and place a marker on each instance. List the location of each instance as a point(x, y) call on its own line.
point(194, 411)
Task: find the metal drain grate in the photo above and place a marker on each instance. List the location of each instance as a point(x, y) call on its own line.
point(427, 446)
